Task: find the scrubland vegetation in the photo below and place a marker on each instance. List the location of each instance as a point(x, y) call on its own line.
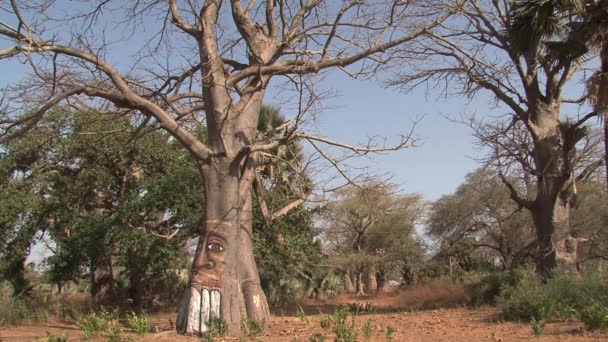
point(135, 188)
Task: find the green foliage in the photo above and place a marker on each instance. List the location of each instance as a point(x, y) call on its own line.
point(52, 338)
point(344, 331)
point(480, 222)
point(486, 288)
point(251, 326)
point(286, 251)
point(98, 186)
point(140, 323)
point(217, 327)
point(390, 331)
point(302, 315)
point(112, 331)
point(325, 322)
point(595, 316)
point(15, 310)
point(539, 320)
point(367, 330)
point(103, 323)
point(558, 297)
point(361, 308)
point(321, 282)
point(318, 337)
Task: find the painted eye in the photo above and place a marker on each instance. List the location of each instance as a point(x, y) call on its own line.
point(215, 247)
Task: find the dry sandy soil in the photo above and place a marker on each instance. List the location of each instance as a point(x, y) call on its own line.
point(409, 314)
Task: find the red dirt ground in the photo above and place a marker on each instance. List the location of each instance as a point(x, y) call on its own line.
point(401, 311)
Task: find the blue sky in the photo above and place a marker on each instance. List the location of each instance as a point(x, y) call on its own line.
point(364, 108)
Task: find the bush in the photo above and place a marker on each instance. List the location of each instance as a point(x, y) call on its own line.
point(251, 326)
point(139, 323)
point(345, 332)
point(14, 310)
point(102, 322)
point(595, 316)
point(486, 288)
point(557, 297)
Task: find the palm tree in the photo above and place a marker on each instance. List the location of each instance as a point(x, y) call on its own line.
point(587, 30)
point(595, 28)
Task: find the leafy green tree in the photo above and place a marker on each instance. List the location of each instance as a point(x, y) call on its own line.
point(356, 215)
point(482, 212)
point(396, 245)
point(589, 221)
point(108, 199)
point(24, 167)
point(285, 248)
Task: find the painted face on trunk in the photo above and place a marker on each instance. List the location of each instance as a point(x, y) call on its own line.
point(208, 267)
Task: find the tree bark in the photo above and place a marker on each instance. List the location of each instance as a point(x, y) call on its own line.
point(102, 280)
point(348, 281)
point(224, 274)
point(551, 208)
point(410, 277)
point(371, 284)
point(255, 300)
point(380, 280)
point(359, 282)
point(606, 144)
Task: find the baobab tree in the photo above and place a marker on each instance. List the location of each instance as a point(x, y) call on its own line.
point(206, 61)
point(480, 51)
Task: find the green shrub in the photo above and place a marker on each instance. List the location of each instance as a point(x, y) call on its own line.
point(345, 332)
point(559, 296)
point(102, 322)
point(367, 329)
point(14, 310)
point(325, 322)
point(318, 337)
point(390, 331)
point(595, 316)
point(360, 309)
point(139, 323)
point(52, 338)
point(302, 315)
point(251, 326)
point(486, 288)
point(217, 327)
point(112, 331)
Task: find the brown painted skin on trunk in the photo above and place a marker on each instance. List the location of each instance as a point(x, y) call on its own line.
point(208, 267)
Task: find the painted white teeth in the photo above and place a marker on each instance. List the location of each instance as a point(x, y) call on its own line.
point(205, 309)
point(197, 309)
point(215, 303)
point(190, 307)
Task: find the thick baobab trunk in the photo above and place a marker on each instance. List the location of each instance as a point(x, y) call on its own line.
point(102, 280)
point(214, 291)
point(553, 148)
point(224, 281)
point(556, 248)
point(254, 298)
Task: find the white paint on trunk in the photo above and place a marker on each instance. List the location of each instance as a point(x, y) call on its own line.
point(256, 301)
point(215, 304)
point(205, 309)
point(190, 313)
